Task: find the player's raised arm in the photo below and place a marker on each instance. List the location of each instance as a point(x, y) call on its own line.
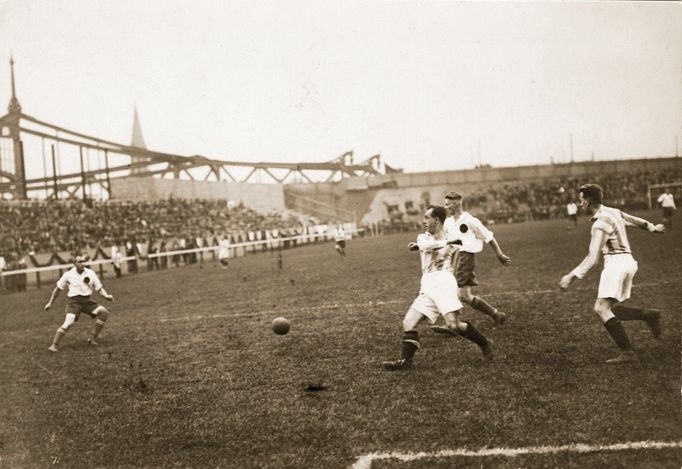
point(642, 223)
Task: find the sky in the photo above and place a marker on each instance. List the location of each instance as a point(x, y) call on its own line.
point(429, 85)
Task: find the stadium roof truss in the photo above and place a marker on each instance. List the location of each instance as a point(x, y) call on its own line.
point(118, 160)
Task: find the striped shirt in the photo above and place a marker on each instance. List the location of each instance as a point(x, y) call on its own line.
point(436, 254)
point(612, 222)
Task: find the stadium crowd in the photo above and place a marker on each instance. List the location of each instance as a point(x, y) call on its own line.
point(73, 226)
point(164, 225)
point(542, 199)
point(545, 199)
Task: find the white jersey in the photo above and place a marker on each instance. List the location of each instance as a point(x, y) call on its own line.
point(666, 200)
point(468, 229)
point(79, 284)
point(431, 250)
point(224, 249)
point(339, 235)
point(571, 208)
point(116, 256)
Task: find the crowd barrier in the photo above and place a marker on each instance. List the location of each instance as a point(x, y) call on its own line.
point(234, 250)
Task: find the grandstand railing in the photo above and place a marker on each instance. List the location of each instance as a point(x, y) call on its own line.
point(235, 250)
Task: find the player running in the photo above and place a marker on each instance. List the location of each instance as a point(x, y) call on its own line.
point(610, 237)
point(436, 293)
point(472, 233)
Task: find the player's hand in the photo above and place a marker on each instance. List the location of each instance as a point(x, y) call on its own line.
point(504, 259)
point(413, 247)
point(565, 282)
point(110, 298)
point(660, 228)
point(48, 306)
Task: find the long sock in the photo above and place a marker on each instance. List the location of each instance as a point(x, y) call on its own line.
point(480, 304)
point(58, 336)
point(410, 344)
point(97, 328)
point(618, 334)
point(628, 313)
point(473, 335)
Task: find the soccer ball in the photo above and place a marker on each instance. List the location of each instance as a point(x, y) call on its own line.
point(280, 326)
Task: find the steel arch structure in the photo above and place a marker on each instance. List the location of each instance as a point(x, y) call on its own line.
point(122, 160)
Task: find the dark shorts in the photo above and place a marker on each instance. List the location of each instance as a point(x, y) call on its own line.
point(668, 212)
point(464, 269)
point(81, 304)
point(341, 244)
point(573, 217)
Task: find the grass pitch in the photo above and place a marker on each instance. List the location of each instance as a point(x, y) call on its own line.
point(188, 372)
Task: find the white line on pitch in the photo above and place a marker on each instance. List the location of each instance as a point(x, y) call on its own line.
point(365, 461)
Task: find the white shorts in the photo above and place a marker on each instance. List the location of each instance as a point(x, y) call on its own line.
point(438, 295)
point(616, 278)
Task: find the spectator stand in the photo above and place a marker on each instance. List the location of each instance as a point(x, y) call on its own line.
point(241, 245)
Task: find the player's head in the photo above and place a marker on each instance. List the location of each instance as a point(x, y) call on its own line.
point(452, 202)
point(434, 217)
point(591, 195)
point(78, 262)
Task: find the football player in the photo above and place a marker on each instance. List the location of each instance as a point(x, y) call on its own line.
point(610, 238)
point(340, 241)
point(224, 251)
point(80, 282)
point(436, 293)
point(472, 233)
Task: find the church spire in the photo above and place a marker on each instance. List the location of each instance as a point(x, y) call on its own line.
point(14, 106)
point(137, 139)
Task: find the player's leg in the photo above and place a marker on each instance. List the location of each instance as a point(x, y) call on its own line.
point(603, 308)
point(467, 330)
point(615, 284)
point(632, 313)
point(69, 319)
point(651, 316)
point(100, 315)
point(478, 303)
point(410, 341)
point(466, 279)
